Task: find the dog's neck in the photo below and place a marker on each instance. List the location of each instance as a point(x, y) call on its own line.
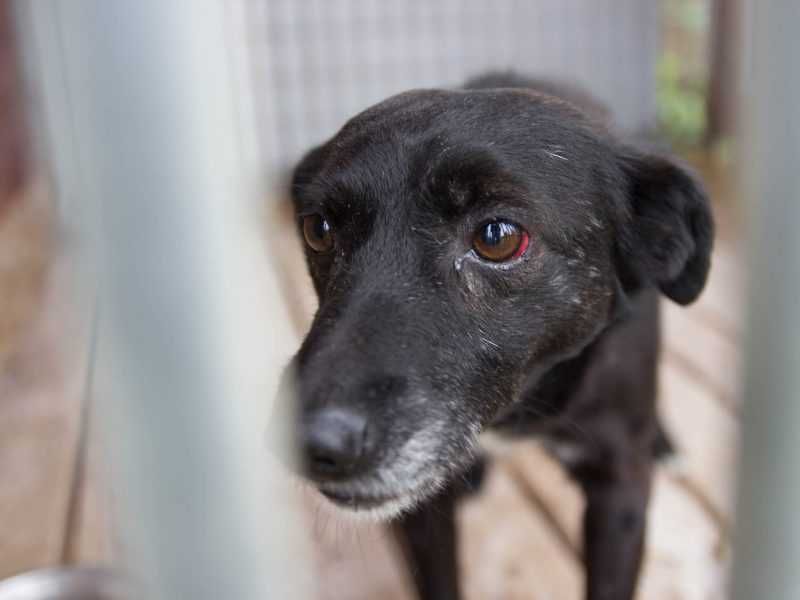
point(545, 396)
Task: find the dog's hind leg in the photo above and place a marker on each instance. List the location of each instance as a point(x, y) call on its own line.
point(614, 526)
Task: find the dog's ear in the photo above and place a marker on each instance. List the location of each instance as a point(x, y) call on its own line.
point(669, 231)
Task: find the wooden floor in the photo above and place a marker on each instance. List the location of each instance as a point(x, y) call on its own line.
point(521, 538)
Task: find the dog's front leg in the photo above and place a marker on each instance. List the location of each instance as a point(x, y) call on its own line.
point(614, 529)
point(428, 538)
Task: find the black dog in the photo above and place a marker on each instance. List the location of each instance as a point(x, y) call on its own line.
point(489, 258)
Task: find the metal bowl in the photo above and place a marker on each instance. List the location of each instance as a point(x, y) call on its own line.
point(75, 583)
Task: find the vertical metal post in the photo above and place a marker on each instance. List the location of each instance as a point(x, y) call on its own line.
point(768, 532)
point(194, 332)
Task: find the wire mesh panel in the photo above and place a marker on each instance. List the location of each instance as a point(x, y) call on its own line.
point(318, 62)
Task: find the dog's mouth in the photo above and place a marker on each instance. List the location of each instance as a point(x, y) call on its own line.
point(374, 508)
point(358, 502)
point(376, 503)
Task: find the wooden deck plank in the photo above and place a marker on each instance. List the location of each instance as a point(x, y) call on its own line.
point(703, 352)
point(26, 253)
point(722, 303)
point(686, 557)
point(39, 429)
point(509, 551)
point(677, 566)
point(550, 487)
point(706, 436)
point(93, 539)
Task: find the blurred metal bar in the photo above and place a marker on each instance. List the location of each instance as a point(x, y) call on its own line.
point(768, 528)
point(157, 151)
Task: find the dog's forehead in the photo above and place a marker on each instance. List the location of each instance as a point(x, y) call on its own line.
point(437, 155)
point(426, 179)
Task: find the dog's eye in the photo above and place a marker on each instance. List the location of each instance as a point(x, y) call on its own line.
point(318, 233)
point(499, 241)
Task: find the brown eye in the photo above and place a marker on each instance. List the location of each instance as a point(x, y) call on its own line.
point(318, 233)
point(499, 241)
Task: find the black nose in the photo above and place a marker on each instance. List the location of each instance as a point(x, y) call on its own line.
point(335, 443)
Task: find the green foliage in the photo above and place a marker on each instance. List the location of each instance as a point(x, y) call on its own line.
point(682, 73)
point(681, 103)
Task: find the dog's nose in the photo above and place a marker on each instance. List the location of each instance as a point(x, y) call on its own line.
point(335, 443)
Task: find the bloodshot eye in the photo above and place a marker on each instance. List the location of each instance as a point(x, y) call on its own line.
point(500, 241)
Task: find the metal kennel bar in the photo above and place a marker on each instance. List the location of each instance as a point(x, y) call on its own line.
point(149, 123)
point(768, 526)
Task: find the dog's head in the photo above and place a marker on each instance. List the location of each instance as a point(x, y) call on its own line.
point(461, 243)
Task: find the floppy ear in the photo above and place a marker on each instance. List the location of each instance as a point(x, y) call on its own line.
point(668, 238)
